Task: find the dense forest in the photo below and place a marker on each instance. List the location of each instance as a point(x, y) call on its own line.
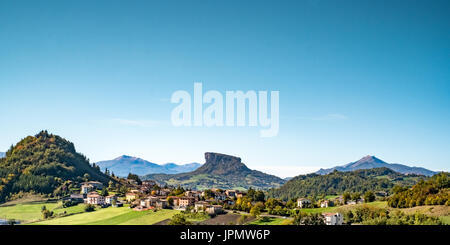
point(46, 164)
point(334, 183)
point(434, 191)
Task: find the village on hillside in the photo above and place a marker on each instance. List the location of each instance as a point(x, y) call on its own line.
point(148, 195)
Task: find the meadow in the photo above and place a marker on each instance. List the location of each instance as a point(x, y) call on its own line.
point(29, 212)
point(271, 221)
point(112, 216)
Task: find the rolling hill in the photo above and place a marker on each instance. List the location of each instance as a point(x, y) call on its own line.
point(336, 182)
point(45, 164)
point(220, 171)
point(369, 162)
point(124, 165)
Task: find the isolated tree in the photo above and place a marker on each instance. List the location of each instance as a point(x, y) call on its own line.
point(179, 219)
point(89, 208)
point(255, 211)
point(369, 196)
point(345, 197)
point(356, 196)
point(170, 201)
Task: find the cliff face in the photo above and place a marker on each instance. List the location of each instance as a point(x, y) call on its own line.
point(220, 171)
point(221, 164)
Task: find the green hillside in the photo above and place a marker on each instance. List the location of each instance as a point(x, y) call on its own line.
point(377, 179)
point(435, 191)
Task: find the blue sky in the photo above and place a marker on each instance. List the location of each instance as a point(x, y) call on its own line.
point(355, 78)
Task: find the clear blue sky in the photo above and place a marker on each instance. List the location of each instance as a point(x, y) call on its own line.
point(355, 78)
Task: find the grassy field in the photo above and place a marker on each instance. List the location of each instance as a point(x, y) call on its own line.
point(443, 212)
point(270, 221)
point(446, 219)
point(112, 216)
point(29, 212)
point(25, 212)
point(330, 197)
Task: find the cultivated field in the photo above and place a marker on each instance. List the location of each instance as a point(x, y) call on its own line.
point(112, 216)
point(29, 212)
point(271, 221)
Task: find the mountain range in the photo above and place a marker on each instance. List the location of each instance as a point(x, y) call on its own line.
point(124, 165)
point(2, 154)
point(220, 171)
point(369, 162)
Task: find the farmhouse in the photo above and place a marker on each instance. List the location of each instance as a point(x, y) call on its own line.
point(95, 198)
point(333, 218)
point(111, 199)
point(201, 206)
point(214, 209)
point(186, 201)
point(149, 202)
point(131, 196)
point(303, 203)
point(78, 198)
point(326, 204)
point(86, 188)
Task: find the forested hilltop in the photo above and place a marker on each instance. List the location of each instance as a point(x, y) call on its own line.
point(45, 164)
point(334, 183)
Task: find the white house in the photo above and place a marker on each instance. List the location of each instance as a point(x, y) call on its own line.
point(86, 188)
point(95, 198)
point(214, 209)
point(111, 199)
point(325, 204)
point(333, 218)
point(201, 206)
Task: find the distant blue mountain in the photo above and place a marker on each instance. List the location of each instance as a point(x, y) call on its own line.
point(2, 154)
point(369, 162)
point(124, 165)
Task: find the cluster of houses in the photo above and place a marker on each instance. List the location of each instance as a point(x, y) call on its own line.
point(195, 200)
point(329, 218)
point(89, 195)
point(146, 197)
